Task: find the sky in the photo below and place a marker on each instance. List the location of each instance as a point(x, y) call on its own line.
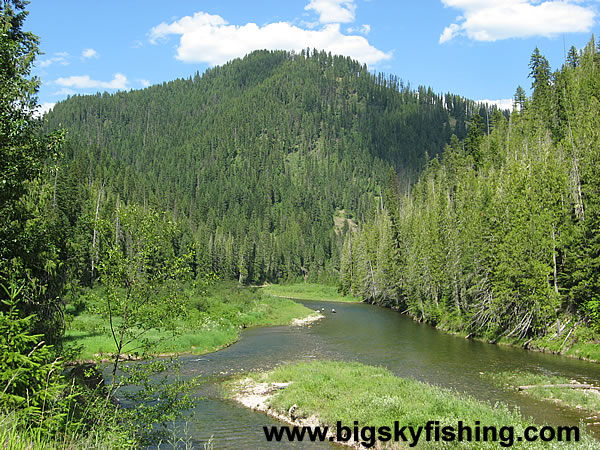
point(479, 49)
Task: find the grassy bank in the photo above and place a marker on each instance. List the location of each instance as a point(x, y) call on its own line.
point(212, 320)
point(574, 340)
point(374, 397)
point(572, 398)
point(582, 343)
point(308, 291)
point(578, 342)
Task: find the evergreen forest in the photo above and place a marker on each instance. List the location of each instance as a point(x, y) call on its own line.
point(279, 167)
point(265, 163)
point(500, 236)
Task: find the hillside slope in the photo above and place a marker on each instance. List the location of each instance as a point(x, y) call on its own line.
point(500, 238)
point(257, 156)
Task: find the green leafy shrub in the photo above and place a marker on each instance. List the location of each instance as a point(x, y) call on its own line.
point(29, 378)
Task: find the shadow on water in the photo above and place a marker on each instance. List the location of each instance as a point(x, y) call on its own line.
point(376, 336)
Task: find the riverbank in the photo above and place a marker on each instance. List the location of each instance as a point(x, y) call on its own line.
point(578, 343)
point(308, 291)
point(212, 321)
point(322, 393)
point(573, 341)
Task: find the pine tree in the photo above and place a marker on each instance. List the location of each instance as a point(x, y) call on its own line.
point(28, 244)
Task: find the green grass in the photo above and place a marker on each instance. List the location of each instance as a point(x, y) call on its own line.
point(572, 398)
point(212, 321)
point(308, 291)
point(373, 396)
point(575, 341)
point(582, 343)
point(589, 351)
point(14, 436)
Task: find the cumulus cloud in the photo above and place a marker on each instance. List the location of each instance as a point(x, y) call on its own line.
point(44, 108)
point(207, 38)
point(89, 53)
point(363, 29)
point(505, 103)
point(492, 20)
point(85, 82)
point(144, 82)
point(64, 91)
point(58, 58)
point(333, 11)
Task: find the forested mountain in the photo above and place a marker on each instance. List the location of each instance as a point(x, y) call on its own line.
point(265, 162)
point(118, 211)
point(500, 237)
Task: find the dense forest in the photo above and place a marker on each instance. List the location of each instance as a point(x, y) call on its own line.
point(265, 163)
point(124, 207)
point(500, 236)
point(274, 167)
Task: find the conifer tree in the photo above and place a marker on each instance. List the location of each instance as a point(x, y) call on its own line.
point(29, 243)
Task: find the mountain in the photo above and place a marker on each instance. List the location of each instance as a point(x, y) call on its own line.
point(267, 161)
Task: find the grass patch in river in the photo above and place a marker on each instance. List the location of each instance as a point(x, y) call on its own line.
point(373, 396)
point(212, 321)
point(573, 398)
point(308, 291)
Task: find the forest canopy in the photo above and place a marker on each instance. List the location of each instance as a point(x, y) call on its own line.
point(265, 162)
point(500, 236)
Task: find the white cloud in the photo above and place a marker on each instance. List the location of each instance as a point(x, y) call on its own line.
point(199, 22)
point(89, 53)
point(333, 11)
point(491, 20)
point(207, 38)
point(363, 29)
point(58, 58)
point(449, 32)
point(143, 82)
point(505, 103)
point(64, 91)
point(43, 108)
point(85, 82)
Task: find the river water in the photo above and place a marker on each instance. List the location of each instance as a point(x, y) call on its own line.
point(376, 336)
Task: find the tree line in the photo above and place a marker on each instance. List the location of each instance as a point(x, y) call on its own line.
point(500, 236)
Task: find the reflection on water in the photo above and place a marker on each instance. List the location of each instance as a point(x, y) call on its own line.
point(376, 336)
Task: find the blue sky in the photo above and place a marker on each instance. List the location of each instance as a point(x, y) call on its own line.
point(479, 49)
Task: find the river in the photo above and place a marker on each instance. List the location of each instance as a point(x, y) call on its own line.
point(376, 336)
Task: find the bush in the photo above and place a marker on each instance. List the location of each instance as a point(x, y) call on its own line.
point(30, 379)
